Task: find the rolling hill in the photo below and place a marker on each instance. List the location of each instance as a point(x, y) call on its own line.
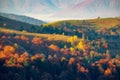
point(21, 18)
point(66, 27)
point(96, 23)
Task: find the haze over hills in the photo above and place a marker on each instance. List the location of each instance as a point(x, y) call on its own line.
point(22, 18)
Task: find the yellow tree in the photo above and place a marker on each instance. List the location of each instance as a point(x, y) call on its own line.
point(73, 40)
point(81, 44)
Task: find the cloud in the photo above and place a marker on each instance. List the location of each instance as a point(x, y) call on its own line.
point(91, 9)
point(62, 9)
point(5, 5)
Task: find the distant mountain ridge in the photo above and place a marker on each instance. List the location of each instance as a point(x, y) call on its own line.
point(22, 18)
point(17, 25)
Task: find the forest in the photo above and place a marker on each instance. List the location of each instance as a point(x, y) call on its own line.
point(95, 56)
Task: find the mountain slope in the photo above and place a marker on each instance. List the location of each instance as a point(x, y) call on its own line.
point(24, 19)
point(16, 25)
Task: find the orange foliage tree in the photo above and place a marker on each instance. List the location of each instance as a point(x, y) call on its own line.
point(71, 60)
point(9, 51)
point(37, 40)
point(54, 47)
point(108, 72)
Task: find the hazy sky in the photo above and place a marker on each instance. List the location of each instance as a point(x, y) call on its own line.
point(52, 10)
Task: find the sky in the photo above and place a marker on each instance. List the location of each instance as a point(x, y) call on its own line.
point(53, 10)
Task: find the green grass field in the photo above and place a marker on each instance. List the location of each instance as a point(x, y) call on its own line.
point(98, 23)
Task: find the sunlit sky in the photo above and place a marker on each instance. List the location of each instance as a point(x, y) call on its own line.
point(52, 10)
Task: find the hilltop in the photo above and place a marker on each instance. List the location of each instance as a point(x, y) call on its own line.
point(97, 23)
